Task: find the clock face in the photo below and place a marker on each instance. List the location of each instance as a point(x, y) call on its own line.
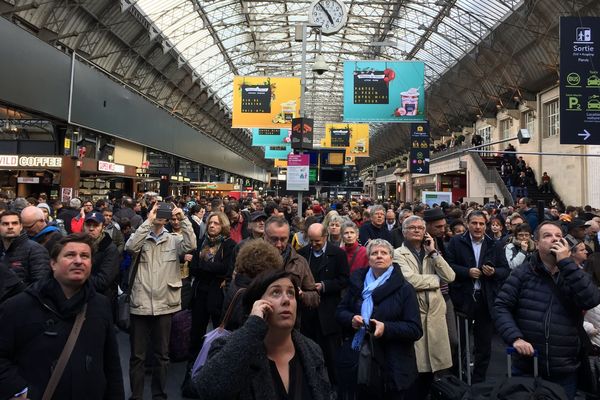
point(330, 14)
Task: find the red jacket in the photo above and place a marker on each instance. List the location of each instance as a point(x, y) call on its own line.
point(360, 260)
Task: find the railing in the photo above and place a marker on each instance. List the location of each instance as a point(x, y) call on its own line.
point(386, 172)
point(493, 176)
point(451, 150)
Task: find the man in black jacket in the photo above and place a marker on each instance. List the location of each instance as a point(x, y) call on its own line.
point(480, 270)
point(105, 264)
point(28, 259)
point(540, 307)
point(329, 267)
point(375, 228)
point(34, 327)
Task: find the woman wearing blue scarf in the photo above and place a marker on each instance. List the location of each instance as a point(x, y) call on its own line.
point(380, 297)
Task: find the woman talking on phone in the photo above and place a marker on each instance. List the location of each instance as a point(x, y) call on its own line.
point(424, 268)
point(266, 358)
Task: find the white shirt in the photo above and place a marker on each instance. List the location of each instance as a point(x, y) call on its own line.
point(477, 251)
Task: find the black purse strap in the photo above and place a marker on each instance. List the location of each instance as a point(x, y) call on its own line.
point(133, 273)
point(232, 305)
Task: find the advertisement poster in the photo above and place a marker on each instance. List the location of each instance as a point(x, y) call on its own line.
point(579, 80)
point(265, 102)
point(302, 133)
point(358, 138)
point(431, 198)
point(384, 91)
point(270, 137)
point(274, 152)
point(350, 160)
point(298, 172)
point(279, 163)
point(419, 148)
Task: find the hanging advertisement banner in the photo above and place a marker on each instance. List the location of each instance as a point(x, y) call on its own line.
point(419, 148)
point(302, 133)
point(298, 172)
point(280, 163)
point(579, 80)
point(265, 102)
point(350, 160)
point(384, 91)
point(358, 138)
point(270, 137)
point(274, 152)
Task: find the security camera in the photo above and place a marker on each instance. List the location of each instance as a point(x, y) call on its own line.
point(320, 66)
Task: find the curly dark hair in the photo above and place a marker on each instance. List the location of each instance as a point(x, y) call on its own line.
point(257, 256)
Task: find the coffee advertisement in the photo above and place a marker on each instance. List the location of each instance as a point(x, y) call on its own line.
point(277, 152)
point(270, 137)
point(384, 91)
point(265, 102)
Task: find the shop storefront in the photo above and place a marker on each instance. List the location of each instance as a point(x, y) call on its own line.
point(29, 175)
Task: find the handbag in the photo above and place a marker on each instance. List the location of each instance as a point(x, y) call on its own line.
point(123, 308)
point(211, 336)
point(65, 355)
point(371, 366)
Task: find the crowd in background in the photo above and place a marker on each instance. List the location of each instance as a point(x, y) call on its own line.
point(336, 272)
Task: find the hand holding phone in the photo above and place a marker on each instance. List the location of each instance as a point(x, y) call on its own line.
point(262, 308)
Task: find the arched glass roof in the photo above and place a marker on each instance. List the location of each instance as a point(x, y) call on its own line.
point(219, 39)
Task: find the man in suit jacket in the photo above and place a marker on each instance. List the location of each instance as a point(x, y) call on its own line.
point(329, 266)
point(480, 270)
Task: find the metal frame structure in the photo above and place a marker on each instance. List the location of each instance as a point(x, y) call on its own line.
point(183, 54)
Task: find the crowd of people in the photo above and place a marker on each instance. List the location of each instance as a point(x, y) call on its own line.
point(353, 299)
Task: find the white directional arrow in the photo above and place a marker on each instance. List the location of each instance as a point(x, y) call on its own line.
point(419, 169)
point(586, 135)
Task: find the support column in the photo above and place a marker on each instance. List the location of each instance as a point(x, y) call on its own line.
point(70, 174)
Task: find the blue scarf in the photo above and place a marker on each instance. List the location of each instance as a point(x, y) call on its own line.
point(371, 283)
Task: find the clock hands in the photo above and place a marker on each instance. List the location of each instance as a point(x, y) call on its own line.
point(326, 12)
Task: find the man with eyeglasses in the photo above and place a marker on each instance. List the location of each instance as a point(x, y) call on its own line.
point(38, 230)
point(277, 233)
point(480, 269)
point(27, 259)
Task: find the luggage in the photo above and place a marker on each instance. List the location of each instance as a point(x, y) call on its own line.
point(179, 344)
point(448, 387)
point(518, 387)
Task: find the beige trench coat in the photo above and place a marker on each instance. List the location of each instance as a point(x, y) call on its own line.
point(433, 349)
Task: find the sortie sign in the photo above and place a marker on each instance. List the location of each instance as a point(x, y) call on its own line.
point(10, 161)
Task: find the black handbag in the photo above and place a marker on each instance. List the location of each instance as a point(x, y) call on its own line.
point(371, 366)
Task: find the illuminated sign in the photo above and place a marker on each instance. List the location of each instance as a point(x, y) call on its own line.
point(30, 161)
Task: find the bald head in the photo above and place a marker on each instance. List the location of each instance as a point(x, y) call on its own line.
point(317, 235)
point(33, 220)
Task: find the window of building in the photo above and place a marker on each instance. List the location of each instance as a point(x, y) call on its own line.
point(529, 122)
point(505, 126)
point(551, 119)
point(486, 135)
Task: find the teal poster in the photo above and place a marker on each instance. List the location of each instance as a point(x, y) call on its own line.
point(384, 91)
point(278, 152)
point(270, 137)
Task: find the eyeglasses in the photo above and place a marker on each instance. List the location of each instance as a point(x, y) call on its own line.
point(32, 224)
point(273, 239)
point(415, 228)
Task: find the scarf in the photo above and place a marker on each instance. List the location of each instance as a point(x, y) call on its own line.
point(371, 283)
point(210, 247)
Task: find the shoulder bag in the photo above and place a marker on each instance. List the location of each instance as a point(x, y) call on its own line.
point(123, 310)
point(65, 355)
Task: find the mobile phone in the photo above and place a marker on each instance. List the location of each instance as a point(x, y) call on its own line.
point(164, 210)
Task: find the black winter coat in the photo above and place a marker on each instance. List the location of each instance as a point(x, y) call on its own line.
point(461, 258)
point(527, 308)
point(368, 231)
point(333, 272)
point(209, 275)
point(105, 267)
point(395, 304)
point(34, 327)
point(28, 259)
point(238, 367)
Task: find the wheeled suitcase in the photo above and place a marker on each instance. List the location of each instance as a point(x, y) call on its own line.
point(449, 387)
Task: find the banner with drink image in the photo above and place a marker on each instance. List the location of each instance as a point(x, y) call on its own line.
point(265, 102)
point(384, 91)
point(354, 138)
